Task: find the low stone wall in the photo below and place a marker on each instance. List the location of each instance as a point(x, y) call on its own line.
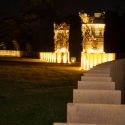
point(14, 53)
point(10, 53)
point(89, 60)
point(48, 56)
point(55, 57)
point(99, 96)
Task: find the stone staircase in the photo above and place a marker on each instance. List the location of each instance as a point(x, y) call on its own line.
point(96, 102)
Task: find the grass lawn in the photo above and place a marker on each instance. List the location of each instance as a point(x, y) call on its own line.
point(36, 93)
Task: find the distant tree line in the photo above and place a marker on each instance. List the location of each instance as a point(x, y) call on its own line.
point(34, 30)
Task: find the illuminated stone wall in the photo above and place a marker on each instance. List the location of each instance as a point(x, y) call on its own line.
point(48, 56)
point(10, 53)
point(93, 38)
point(54, 57)
point(88, 60)
point(61, 37)
point(92, 32)
point(93, 41)
point(61, 44)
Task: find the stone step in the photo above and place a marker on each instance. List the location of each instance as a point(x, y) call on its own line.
point(96, 85)
point(101, 68)
point(97, 74)
point(97, 96)
point(95, 113)
point(96, 79)
point(82, 124)
point(103, 65)
point(98, 71)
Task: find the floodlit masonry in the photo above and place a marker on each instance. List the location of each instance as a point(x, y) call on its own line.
point(89, 60)
point(10, 53)
point(54, 57)
point(92, 27)
point(61, 43)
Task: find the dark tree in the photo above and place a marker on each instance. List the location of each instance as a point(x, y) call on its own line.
point(10, 30)
point(46, 9)
point(39, 16)
point(114, 33)
point(75, 37)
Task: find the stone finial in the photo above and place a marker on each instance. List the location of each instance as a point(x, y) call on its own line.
point(86, 18)
point(62, 26)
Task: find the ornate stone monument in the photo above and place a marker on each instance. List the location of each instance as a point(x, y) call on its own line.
point(92, 32)
point(61, 45)
point(93, 42)
point(92, 27)
point(61, 38)
point(61, 42)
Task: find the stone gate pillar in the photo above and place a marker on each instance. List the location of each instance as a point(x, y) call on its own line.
point(61, 42)
point(92, 27)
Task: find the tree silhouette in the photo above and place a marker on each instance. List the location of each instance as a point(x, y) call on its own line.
point(38, 19)
point(113, 38)
point(10, 30)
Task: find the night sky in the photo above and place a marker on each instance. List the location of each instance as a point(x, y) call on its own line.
point(12, 7)
point(9, 7)
point(94, 5)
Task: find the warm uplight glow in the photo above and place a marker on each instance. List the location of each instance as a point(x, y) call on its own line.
point(63, 50)
point(93, 38)
point(93, 42)
point(88, 60)
point(80, 68)
point(47, 57)
point(61, 43)
point(73, 59)
point(89, 50)
point(61, 37)
point(10, 53)
point(58, 57)
point(97, 14)
point(54, 57)
point(64, 58)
